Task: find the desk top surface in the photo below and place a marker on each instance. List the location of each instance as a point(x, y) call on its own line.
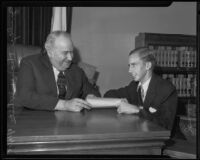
point(86, 125)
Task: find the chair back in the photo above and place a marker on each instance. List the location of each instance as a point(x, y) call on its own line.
point(14, 55)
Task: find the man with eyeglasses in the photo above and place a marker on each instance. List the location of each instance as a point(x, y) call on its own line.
point(148, 94)
point(50, 81)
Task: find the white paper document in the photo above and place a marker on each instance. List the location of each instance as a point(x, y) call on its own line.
point(98, 102)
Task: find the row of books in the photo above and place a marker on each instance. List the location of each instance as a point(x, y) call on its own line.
point(186, 84)
point(174, 56)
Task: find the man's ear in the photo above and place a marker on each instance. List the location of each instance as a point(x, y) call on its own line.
point(50, 53)
point(48, 50)
point(148, 65)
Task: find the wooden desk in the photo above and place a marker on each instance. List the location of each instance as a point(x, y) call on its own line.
point(97, 131)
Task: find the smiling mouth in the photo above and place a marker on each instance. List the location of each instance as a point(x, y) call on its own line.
point(133, 75)
point(67, 62)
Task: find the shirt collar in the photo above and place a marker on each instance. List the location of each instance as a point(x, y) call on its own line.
point(55, 70)
point(145, 85)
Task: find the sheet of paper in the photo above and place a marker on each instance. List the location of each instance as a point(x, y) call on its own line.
point(98, 102)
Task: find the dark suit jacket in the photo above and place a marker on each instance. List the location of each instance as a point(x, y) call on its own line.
point(161, 95)
point(36, 85)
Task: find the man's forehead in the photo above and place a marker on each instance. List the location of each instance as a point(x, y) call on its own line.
point(63, 42)
point(134, 58)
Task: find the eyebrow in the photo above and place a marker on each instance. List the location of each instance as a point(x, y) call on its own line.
point(67, 51)
point(131, 64)
point(135, 62)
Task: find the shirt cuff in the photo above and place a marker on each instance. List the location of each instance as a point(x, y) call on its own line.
point(60, 105)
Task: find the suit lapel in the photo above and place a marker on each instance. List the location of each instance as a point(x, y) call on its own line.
point(150, 92)
point(50, 78)
point(69, 82)
point(48, 73)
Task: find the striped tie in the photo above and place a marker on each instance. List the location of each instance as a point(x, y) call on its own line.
point(140, 96)
point(61, 85)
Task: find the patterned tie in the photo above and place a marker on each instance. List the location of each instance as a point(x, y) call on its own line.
point(140, 96)
point(61, 85)
point(142, 93)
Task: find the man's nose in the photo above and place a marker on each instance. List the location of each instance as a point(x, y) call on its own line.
point(130, 70)
point(69, 57)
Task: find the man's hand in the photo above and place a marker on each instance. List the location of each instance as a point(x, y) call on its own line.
point(74, 105)
point(90, 96)
point(127, 108)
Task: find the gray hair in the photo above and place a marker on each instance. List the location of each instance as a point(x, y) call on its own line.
point(50, 41)
point(145, 54)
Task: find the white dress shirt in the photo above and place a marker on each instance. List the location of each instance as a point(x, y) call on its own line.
point(144, 86)
point(61, 103)
point(56, 72)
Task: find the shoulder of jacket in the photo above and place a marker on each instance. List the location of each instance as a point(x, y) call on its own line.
point(75, 68)
point(32, 57)
point(165, 84)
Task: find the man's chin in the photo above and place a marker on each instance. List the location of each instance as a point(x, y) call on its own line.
point(135, 79)
point(66, 67)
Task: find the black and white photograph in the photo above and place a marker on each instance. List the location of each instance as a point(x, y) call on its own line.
point(101, 80)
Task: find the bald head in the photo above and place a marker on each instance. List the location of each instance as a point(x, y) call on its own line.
point(53, 36)
point(59, 47)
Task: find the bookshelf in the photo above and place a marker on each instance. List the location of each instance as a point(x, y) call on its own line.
point(176, 61)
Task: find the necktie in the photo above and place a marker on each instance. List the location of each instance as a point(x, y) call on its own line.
point(61, 85)
point(142, 93)
point(140, 96)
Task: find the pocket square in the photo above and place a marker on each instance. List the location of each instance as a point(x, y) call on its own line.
point(152, 110)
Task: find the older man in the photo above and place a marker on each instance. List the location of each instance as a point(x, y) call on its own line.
point(148, 95)
point(50, 81)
